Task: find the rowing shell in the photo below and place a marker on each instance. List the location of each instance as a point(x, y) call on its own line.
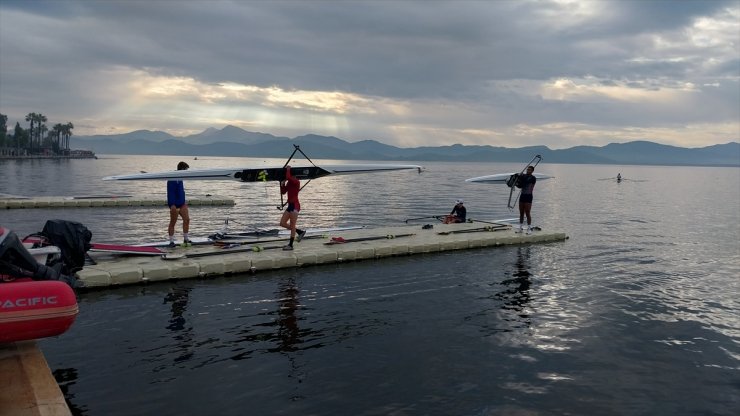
point(260, 174)
point(503, 177)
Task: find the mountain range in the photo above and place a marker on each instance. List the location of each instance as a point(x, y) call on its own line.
point(233, 141)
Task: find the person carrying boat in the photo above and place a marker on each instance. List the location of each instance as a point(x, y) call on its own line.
point(458, 214)
point(526, 181)
point(178, 206)
point(291, 186)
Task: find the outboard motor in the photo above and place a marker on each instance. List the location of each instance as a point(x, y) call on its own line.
point(16, 262)
point(72, 238)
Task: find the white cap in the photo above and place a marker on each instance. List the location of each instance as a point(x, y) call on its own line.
point(459, 201)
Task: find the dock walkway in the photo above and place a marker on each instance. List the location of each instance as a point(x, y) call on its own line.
point(27, 387)
point(266, 254)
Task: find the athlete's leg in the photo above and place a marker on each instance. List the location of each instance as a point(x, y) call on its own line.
point(185, 214)
point(527, 209)
point(284, 220)
point(173, 220)
point(521, 211)
point(293, 220)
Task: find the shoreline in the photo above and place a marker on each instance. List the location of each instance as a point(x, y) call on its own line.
point(4, 157)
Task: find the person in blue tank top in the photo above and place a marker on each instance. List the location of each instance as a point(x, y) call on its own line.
point(178, 206)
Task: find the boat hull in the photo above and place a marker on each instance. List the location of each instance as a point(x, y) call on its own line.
point(32, 309)
point(504, 177)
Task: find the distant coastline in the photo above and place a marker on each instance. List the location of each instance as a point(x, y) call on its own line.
point(233, 141)
point(74, 154)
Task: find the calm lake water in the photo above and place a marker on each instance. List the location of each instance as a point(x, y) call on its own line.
point(636, 314)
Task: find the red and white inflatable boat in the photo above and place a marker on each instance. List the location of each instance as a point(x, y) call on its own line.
point(31, 309)
point(36, 301)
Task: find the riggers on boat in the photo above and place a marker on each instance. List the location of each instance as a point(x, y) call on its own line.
point(31, 309)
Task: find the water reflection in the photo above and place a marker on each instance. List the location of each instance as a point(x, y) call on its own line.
point(179, 297)
point(514, 293)
point(288, 333)
point(506, 302)
point(65, 378)
point(282, 330)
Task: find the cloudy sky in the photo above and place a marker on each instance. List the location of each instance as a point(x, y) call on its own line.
point(558, 73)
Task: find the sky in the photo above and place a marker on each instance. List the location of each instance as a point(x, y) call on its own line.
point(558, 73)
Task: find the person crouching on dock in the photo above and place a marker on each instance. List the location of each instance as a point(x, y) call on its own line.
point(459, 213)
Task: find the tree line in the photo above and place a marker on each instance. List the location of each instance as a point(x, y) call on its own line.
point(37, 139)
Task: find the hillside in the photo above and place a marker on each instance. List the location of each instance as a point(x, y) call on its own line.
point(231, 141)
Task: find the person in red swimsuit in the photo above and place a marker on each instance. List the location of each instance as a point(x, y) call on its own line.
point(291, 186)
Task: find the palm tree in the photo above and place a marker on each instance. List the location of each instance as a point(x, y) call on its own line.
point(43, 138)
point(56, 132)
point(3, 130)
point(40, 131)
point(31, 117)
point(19, 136)
point(67, 134)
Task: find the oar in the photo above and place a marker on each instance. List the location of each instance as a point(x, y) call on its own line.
point(241, 234)
point(499, 222)
point(340, 240)
point(438, 217)
point(475, 230)
point(271, 240)
point(172, 256)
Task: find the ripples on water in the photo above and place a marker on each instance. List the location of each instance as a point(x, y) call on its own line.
point(637, 313)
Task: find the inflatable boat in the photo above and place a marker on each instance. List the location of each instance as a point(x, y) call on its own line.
point(36, 300)
point(31, 309)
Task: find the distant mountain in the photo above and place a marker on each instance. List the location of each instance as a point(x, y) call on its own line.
point(647, 153)
point(233, 141)
point(229, 134)
point(154, 136)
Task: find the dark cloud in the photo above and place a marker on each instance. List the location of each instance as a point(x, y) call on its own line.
point(465, 52)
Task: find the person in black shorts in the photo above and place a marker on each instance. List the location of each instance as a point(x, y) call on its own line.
point(291, 186)
point(526, 182)
point(178, 207)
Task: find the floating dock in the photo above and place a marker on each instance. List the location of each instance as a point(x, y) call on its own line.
point(267, 254)
point(104, 201)
point(27, 387)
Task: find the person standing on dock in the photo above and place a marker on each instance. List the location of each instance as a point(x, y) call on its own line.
point(291, 185)
point(178, 206)
point(526, 182)
point(459, 213)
